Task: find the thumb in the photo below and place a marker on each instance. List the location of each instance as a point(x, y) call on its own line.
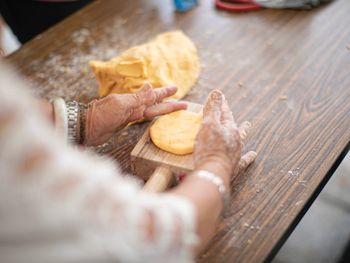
point(213, 105)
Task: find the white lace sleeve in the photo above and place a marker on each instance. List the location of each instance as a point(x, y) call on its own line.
point(61, 205)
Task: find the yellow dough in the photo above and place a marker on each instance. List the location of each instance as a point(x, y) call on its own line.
point(176, 132)
point(171, 58)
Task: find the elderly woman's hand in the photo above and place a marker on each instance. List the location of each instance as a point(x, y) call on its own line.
point(112, 113)
point(219, 143)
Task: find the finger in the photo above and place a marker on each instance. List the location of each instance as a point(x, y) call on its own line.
point(246, 160)
point(162, 93)
point(213, 105)
point(244, 129)
point(226, 114)
point(213, 102)
point(145, 95)
point(146, 88)
point(164, 108)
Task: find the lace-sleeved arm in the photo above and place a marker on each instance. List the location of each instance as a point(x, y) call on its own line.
point(61, 205)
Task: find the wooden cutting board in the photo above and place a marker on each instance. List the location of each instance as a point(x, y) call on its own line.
point(150, 162)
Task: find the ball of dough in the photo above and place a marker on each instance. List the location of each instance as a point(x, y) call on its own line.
point(170, 59)
point(176, 132)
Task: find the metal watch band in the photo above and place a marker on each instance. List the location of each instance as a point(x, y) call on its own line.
point(72, 114)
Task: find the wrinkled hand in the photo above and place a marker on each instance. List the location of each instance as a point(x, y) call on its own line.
point(110, 114)
point(219, 140)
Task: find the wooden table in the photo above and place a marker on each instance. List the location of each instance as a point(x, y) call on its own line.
point(294, 67)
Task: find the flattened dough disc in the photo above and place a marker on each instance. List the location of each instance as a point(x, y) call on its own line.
point(176, 132)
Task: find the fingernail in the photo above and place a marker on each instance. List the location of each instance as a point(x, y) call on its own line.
point(254, 154)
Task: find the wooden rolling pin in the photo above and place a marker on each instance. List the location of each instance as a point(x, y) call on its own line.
point(161, 179)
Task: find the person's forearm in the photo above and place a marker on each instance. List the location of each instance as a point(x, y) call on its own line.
point(207, 200)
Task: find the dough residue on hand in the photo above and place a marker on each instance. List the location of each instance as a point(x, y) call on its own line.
point(176, 132)
point(170, 59)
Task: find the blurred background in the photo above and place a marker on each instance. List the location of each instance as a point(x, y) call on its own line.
point(8, 42)
point(322, 235)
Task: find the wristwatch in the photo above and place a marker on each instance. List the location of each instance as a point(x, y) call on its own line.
point(72, 115)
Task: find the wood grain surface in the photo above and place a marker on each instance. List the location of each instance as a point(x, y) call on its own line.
point(146, 156)
point(285, 71)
